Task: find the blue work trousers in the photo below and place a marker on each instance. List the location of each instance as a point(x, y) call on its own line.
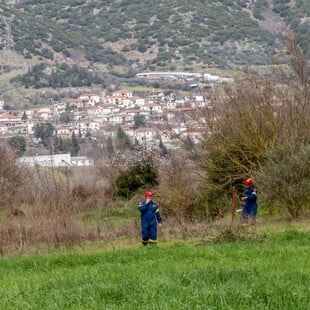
point(249, 210)
point(149, 231)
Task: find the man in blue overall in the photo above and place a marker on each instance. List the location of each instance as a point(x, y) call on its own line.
point(250, 206)
point(150, 218)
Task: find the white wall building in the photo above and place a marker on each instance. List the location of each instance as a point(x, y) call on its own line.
point(57, 160)
point(81, 161)
point(3, 130)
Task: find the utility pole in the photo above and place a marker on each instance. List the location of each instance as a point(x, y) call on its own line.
point(233, 204)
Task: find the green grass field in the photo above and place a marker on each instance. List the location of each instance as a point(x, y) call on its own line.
point(274, 274)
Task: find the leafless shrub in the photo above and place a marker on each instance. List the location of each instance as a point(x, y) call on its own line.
point(11, 176)
point(256, 115)
point(285, 179)
point(45, 204)
point(179, 186)
point(298, 60)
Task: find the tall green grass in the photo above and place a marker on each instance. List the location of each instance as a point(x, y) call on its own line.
point(242, 275)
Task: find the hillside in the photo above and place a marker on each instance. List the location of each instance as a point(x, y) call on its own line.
point(127, 36)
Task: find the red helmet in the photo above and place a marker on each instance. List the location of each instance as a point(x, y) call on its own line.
point(249, 181)
point(148, 194)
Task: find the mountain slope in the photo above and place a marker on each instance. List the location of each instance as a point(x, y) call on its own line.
point(151, 35)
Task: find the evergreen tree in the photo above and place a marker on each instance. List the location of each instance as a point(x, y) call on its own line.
point(61, 145)
point(163, 148)
point(139, 121)
point(123, 139)
point(24, 116)
point(75, 147)
point(18, 143)
point(136, 177)
point(44, 132)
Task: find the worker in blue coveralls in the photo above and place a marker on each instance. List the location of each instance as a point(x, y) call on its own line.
point(250, 202)
point(150, 218)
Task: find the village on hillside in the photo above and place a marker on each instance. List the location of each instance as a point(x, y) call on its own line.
point(93, 114)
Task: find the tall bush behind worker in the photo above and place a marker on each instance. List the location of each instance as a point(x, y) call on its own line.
point(150, 218)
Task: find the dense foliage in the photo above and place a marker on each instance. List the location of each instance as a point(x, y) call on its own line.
point(217, 33)
point(254, 136)
point(44, 133)
point(61, 76)
point(18, 143)
point(134, 178)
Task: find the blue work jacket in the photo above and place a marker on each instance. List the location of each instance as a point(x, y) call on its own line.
point(150, 212)
point(251, 197)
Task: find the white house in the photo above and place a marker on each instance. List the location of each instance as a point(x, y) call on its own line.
point(147, 135)
point(128, 103)
point(63, 131)
point(108, 109)
point(30, 127)
point(171, 105)
point(3, 130)
point(94, 111)
point(140, 101)
point(119, 96)
point(199, 102)
point(44, 114)
point(121, 118)
point(122, 93)
point(59, 108)
point(129, 132)
point(83, 127)
point(10, 120)
point(151, 107)
point(94, 126)
point(157, 95)
point(81, 161)
point(90, 99)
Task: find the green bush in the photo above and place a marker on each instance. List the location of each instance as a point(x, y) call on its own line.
point(136, 177)
point(18, 143)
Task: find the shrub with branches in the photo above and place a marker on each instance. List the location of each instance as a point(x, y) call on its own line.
point(11, 176)
point(246, 128)
point(255, 116)
point(179, 187)
point(285, 178)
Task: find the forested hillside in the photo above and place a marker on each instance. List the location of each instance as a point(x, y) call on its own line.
point(149, 34)
point(43, 42)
